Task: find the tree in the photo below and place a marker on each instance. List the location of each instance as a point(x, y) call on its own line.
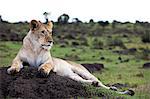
point(63, 19)
point(46, 14)
point(76, 20)
point(103, 23)
point(91, 21)
point(1, 20)
point(115, 23)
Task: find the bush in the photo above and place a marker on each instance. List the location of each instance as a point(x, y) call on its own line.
point(146, 37)
point(145, 54)
point(115, 42)
point(97, 44)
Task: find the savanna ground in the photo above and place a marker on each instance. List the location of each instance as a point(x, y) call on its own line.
point(122, 52)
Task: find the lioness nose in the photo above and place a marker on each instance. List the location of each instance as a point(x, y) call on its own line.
point(50, 41)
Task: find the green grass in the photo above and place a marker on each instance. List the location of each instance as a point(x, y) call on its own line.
point(8, 51)
point(114, 72)
point(102, 92)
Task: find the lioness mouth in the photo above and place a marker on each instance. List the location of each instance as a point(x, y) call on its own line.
point(45, 45)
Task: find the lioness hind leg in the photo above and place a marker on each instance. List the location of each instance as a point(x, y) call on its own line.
point(83, 72)
point(77, 78)
point(87, 75)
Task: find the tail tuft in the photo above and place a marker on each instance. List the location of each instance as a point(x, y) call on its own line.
point(128, 92)
point(131, 92)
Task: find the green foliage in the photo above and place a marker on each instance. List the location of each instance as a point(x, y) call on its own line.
point(146, 37)
point(115, 42)
point(97, 43)
point(63, 19)
point(144, 54)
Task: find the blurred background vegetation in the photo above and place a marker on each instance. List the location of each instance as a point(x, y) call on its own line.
point(123, 48)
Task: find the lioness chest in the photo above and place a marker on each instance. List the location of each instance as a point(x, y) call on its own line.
point(34, 59)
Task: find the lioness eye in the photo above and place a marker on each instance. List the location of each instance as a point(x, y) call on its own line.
point(43, 31)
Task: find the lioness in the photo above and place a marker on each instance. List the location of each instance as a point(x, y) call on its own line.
point(35, 51)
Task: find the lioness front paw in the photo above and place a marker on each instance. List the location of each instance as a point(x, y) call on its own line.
point(13, 70)
point(43, 71)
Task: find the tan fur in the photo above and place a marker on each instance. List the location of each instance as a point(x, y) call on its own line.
point(32, 50)
point(35, 51)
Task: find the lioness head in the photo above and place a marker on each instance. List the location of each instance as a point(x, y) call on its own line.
point(42, 34)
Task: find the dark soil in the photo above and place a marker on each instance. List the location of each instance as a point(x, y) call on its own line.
point(126, 51)
point(93, 67)
point(28, 84)
point(146, 65)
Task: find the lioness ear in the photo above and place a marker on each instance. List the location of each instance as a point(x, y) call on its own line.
point(34, 25)
point(50, 24)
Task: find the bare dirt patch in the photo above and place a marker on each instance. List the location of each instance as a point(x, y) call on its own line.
point(28, 84)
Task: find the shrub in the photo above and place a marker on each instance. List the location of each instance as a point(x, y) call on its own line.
point(97, 44)
point(115, 42)
point(75, 43)
point(146, 37)
point(145, 54)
